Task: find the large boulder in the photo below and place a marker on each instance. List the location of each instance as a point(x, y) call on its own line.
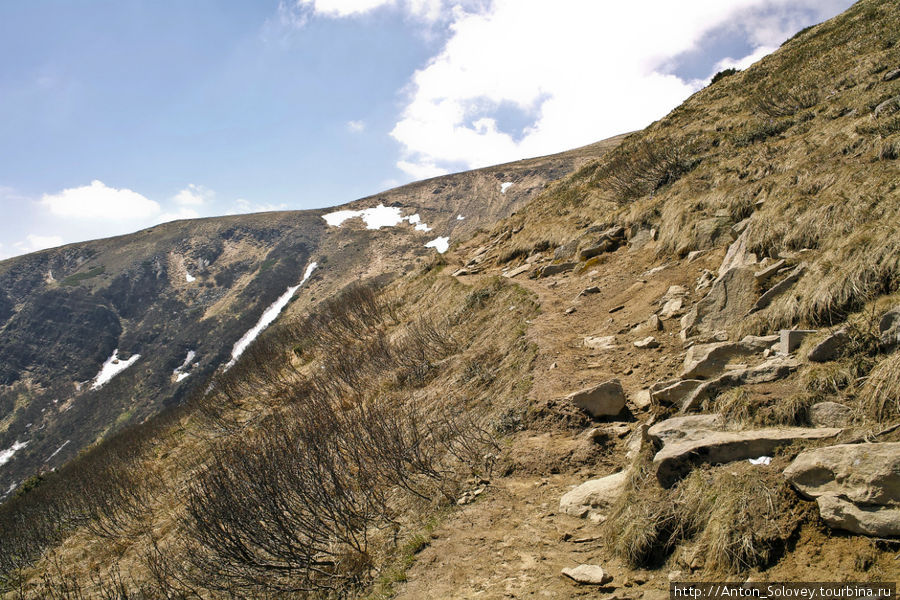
point(857, 486)
point(678, 458)
point(604, 400)
point(678, 428)
point(667, 393)
point(703, 361)
point(829, 414)
point(730, 298)
point(830, 348)
point(594, 498)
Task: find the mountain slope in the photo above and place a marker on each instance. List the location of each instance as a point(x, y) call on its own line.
point(196, 287)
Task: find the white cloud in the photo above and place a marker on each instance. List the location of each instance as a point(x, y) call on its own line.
point(577, 71)
point(194, 195)
point(356, 126)
point(242, 206)
point(99, 202)
point(344, 8)
point(177, 215)
point(33, 243)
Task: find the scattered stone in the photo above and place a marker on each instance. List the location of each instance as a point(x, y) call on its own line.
point(647, 342)
point(737, 256)
point(765, 274)
point(570, 310)
point(654, 270)
point(694, 255)
point(891, 75)
point(830, 348)
point(616, 308)
point(792, 338)
point(772, 369)
point(857, 486)
point(708, 360)
point(640, 239)
point(654, 324)
point(588, 574)
point(463, 271)
point(888, 107)
point(590, 290)
point(517, 271)
point(638, 441)
point(829, 414)
point(554, 366)
point(604, 400)
point(594, 496)
point(549, 270)
point(705, 280)
point(778, 289)
point(889, 328)
point(672, 308)
point(676, 459)
point(642, 399)
point(674, 392)
point(600, 342)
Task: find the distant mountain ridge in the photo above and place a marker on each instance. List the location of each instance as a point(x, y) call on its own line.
point(179, 296)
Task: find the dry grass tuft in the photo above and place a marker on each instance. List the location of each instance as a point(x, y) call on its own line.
point(879, 398)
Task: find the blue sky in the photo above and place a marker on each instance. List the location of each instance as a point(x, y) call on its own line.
point(115, 115)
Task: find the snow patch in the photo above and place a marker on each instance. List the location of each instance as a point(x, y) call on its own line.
point(6, 455)
point(762, 460)
point(190, 278)
point(374, 218)
point(66, 443)
point(267, 317)
point(181, 373)
point(460, 218)
point(441, 244)
point(112, 367)
point(505, 186)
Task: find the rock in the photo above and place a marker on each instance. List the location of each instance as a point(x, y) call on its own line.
point(615, 309)
point(705, 280)
point(604, 400)
point(588, 574)
point(792, 338)
point(600, 342)
point(737, 255)
point(889, 328)
point(566, 250)
point(694, 255)
point(590, 290)
point(857, 486)
point(639, 240)
point(829, 414)
point(638, 441)
point(779, 288)
point(677, 458)
point(830, 348)
point(760, 342)
point(764, 275)
point(654, 324)
point(708, 360)
point(517, 271)
point(647, 342)
point(891, 75)
point(463, 271)
point(641, 399)
point(570, 310)
point(674, 392)
point(677, 428)
point(594, 496)
point(672, 308)
point(772, 369)
point(738, 228)
point(887, 108)
point(729, 299)
point(549, 270)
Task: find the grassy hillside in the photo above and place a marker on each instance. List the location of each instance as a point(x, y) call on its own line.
point(418, 437)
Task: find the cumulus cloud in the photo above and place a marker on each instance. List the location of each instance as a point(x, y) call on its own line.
point(97, 201)
point(33, 243)
point(242, 206)
point(177, 215)
point(356, 126)
point(194, 195)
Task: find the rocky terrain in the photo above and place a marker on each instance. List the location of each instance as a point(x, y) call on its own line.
point(679, 362)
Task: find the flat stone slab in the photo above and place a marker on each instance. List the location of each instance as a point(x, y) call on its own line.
point(678, 458)
point(588, 574)
point(594, 496)
point(856, 486)
point(678, 428)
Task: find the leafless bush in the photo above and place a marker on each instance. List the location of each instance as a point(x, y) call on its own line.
point(641, 168)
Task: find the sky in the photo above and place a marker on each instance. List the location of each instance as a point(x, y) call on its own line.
point(116, 115)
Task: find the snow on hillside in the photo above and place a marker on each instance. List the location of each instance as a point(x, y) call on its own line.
point(441, 244)
point(268, 316)
point(6, 455)
point(112, 367)
point(181, 373)
point(376, 218)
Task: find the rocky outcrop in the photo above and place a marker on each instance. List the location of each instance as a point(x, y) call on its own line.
point(829, 414)
point(604, 400)
point(778, 289)
point(773, 369)
point(856, 486)
point(678, 428)
point(830, 348)
point(594, 498)
point(672, 392)
point(677, 458)
point(708, 360)
point(730, 298)
point(889, 329)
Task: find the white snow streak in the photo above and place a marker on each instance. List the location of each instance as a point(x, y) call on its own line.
point(267, 317)
point(66, 443)
point(505, 186)
point(180, 373)
point(190, 278)
point(441, 244)
point(112, 367)
point(376, 218)
point(6, 455)
point(460, 218)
